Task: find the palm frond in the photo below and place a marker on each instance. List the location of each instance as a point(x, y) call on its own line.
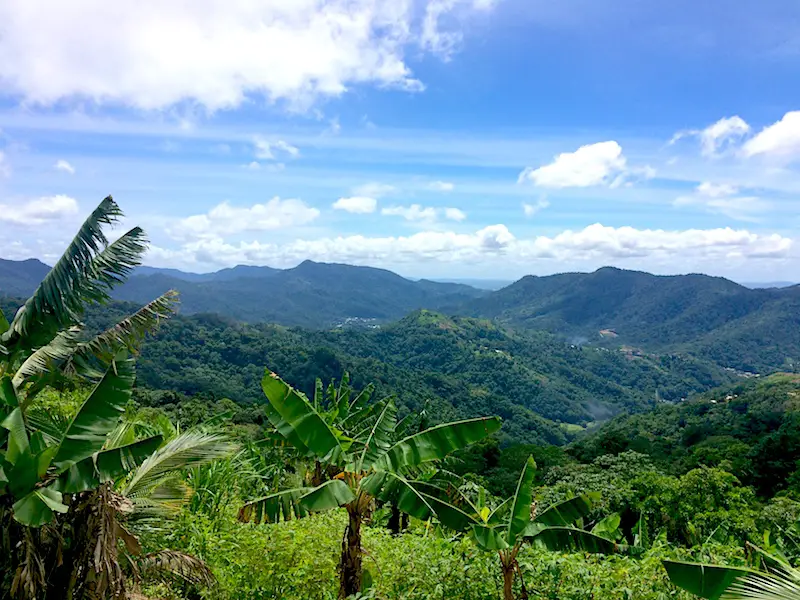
point(168, 564)
point(47, 357)
point(129, 333)
point(188, 449)
point(780, 584)
point(72, 282)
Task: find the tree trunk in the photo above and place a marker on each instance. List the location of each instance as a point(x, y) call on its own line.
point(350, 569)
point(403, 521)
point(394, 520)
point(508, 582)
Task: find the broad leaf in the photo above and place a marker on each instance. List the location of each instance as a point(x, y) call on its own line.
point(379, 439)
point(72, 282)
point(107, 465)
point(608, 527)
point(565, 539)
point(489, 538)
point(706, 581)
point(299, 419)
point(8, 395)
point(437, 442)
point(88, 430)
point(275, 507)
point(520, 513)
point(411, 498)
point(44, 359)
point(36, 509)
point(331, 494)
point(568, 511)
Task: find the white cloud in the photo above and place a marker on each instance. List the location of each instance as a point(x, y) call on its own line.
point(253, 166)
point(594, 164)
point(441, 186)
point(531, 209)
point(264, 149)
point(725, 199)
point(40, 211)
point(723, 135)
point(781, 139)
point(454, 214)
point(225, 219)
point(374, 189)
point(5, 168)
point(424, 214)
point(217, 53)
point(357, 204)
point(595, 244)
point(62, 165)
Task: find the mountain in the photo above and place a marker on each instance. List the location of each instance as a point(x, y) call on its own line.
point(311, 294)
point(742, 328)
point(20, 278)
point(481, 284)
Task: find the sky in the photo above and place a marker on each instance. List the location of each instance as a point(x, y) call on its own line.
point(436, 138)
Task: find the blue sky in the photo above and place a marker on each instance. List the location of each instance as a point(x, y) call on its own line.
point(437, 138)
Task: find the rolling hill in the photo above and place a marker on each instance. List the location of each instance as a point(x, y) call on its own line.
point(738, 327)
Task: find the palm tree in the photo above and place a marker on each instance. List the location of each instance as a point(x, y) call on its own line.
point(517, 520)
point(363, 467)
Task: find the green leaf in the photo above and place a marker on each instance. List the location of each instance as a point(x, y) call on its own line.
point(500, 512)
point(706, 581)
point(437, 442)
point(379, 439)
point(565, 539)
point(331, 494)
point(108, 465)
point(72, 282)
point(489, 538)
point(8, 395)
point(520, 513)
point(3, 323)
point(36, 508)
point(44, 359)
point(89, 429)
point(608, 527)
point(299, 420)
point(411, 498)
point(275, 507)
point(18, 443)
point(568, 511)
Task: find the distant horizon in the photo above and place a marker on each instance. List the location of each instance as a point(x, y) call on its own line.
point(444, 279)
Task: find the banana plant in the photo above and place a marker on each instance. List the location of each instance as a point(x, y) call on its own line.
point(45, 343)
point(365, 465)
point(516, 521)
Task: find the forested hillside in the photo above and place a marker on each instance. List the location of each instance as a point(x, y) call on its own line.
point(544, 388)
point(751, 429)
point(747, 329)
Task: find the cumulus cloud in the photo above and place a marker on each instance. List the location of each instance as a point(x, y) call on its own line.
point(441, 186)
point(596, 243)
point(424, 214)
point(62, 165)
point(718, 137)
point(39, 211)
point(217, 54)
point(781, 139)
point(356, 204)
point(265, 149)
point(225, 219)
point(594, 164)
point(538, 206)
point(725, 199)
